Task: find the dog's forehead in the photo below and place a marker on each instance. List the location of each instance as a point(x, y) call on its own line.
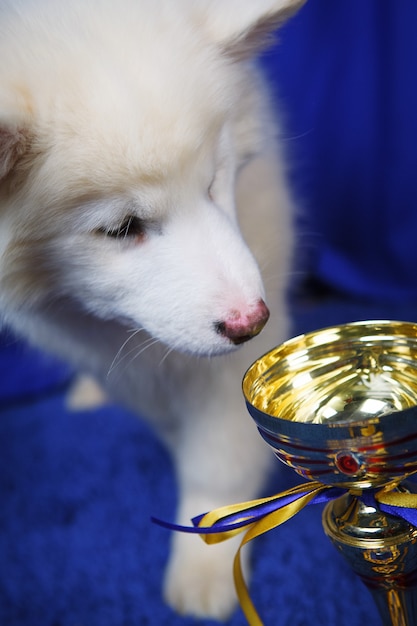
point(121, 101)
point(149, 145)
point(145, 119)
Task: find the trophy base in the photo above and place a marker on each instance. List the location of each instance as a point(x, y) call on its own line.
point(382, 549)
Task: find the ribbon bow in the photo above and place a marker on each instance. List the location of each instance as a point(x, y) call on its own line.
point(262, 515)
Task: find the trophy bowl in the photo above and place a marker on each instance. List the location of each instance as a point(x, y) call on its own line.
point(339, 405)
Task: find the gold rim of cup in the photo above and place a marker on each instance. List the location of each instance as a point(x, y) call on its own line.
point(339, 404)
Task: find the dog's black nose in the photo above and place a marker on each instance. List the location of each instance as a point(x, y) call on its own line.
point(240, 327)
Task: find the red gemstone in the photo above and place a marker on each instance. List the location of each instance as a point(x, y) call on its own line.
point(347, 463)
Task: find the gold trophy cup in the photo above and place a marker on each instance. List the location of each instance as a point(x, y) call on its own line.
point(339, 406)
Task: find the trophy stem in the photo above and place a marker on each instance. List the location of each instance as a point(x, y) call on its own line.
point(382, 549)
point(397, 607)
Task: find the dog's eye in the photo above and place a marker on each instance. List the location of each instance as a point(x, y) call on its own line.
point(131, 226)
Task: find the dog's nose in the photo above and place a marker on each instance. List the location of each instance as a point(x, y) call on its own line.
point(240, 327)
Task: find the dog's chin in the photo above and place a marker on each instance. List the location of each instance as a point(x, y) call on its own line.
point(216, 351)
point(218, 348)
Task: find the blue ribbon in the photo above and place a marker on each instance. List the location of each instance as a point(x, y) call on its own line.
point(263, 515)
point(253, 514)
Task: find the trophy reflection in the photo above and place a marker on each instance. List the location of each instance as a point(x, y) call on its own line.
point(339, 406)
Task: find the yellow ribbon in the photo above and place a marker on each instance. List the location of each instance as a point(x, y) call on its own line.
point(270, 521)
point(400, 499)
point(273, 520)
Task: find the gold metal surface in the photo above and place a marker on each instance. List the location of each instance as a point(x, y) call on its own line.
point(382, 551)
point(339, 405)
point(347, 373)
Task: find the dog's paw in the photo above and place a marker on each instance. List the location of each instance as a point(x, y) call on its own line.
point(199, 578)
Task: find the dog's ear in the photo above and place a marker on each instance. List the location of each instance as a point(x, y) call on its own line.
point(13, 145)
point(243, 28)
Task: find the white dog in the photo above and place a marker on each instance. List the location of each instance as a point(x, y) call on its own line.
point(136, 147)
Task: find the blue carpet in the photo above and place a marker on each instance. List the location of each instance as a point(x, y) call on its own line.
point(77, 491)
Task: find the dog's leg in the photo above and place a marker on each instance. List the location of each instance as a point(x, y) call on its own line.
point(220, 459)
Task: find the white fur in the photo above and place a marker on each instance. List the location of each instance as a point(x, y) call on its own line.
point(149, 108)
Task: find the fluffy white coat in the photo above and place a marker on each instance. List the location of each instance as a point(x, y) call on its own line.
point(141, 188)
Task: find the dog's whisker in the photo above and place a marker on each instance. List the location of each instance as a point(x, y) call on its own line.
point(148, 343)
point(118, 358)
point(298, 136)
point(151, 341)
point(166, 355)
point(122, 347)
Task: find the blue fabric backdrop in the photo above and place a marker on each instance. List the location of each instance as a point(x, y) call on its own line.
point(346, 75)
